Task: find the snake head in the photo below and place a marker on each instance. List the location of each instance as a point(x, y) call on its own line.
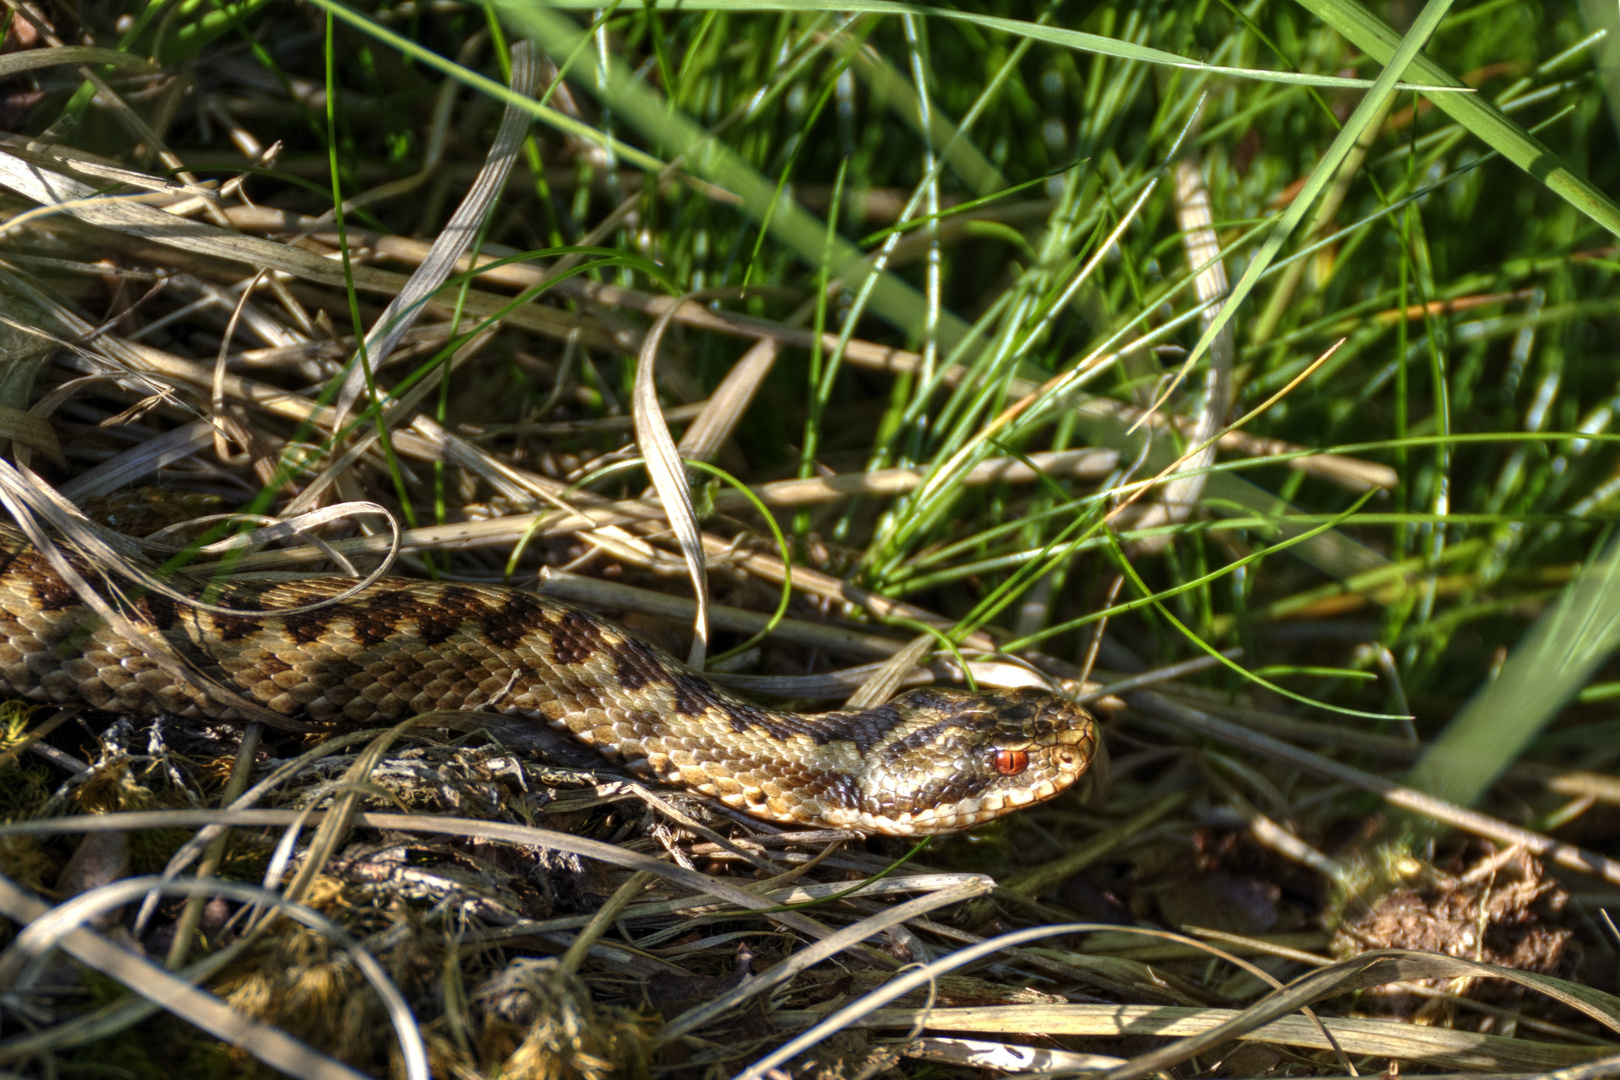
point(957, 758)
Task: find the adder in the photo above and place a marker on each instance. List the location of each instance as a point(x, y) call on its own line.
point(930, 761)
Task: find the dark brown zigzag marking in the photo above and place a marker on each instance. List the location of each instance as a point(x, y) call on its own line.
point(510, 625)
point(459, 598)
point(638, 665)
point(371, 626)
point(51, 593)
point(576, 637)
point(435, 626)
point(307, 627)
point(158, 610)
point(234, 627)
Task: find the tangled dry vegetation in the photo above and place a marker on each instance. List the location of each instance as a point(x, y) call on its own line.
point(1249, 888)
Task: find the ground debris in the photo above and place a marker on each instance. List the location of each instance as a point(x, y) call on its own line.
point(1503, 910)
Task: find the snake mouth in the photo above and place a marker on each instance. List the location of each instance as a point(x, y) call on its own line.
point(965, 814)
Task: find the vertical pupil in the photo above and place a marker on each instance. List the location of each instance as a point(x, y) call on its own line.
point(1011, 762)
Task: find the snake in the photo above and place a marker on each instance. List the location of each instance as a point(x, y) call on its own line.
point(931, 760)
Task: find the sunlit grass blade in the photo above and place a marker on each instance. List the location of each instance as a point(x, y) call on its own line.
point(1479, 116)
point(1370, 109)
point(1035, 31)
point(1544, 672)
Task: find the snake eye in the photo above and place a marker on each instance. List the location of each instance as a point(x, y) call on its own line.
point(1011, 762)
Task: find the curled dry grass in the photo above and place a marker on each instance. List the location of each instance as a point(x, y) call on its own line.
point(441, 898)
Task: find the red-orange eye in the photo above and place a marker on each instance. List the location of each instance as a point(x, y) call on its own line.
point(1011, 762)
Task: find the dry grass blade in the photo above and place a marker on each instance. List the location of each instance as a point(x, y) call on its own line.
point(1168, 673)
point(196, 845)
point(33, 432)
point(110, 550)
point(1134, 490)
point(841, 683)
point(38, 180)
point(1354, 473)
point(335, 824)
point(822, 950)
point(790, 896)
point(1203, 250)
point(1485, 1054)
point(883, 682)
point(190, 919)
point(111, 1019)
point(719, 418)
point(663, 460)
point(585, 590)
point(439, 825)
point(141, 461)
point(853, 1013)
point(23, 960)
point(459, 232)
point(204, 1010)
point(1438, 810)
point(1088, 464)
point(19, 62)
point(605, 915)
point(1378, 968)
point(1005, 1057)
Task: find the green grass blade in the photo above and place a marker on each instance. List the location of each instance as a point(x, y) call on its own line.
point(1368, 112)
point(635, 102)
point(1077, 40)
point(1368, 32)
point(1548, 667)
point(630, 155)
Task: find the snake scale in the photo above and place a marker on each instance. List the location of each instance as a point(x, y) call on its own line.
point(929, 761)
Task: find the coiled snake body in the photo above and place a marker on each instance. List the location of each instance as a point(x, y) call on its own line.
point(930, 761)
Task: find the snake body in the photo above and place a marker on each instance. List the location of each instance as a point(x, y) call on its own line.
point(930, 761)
